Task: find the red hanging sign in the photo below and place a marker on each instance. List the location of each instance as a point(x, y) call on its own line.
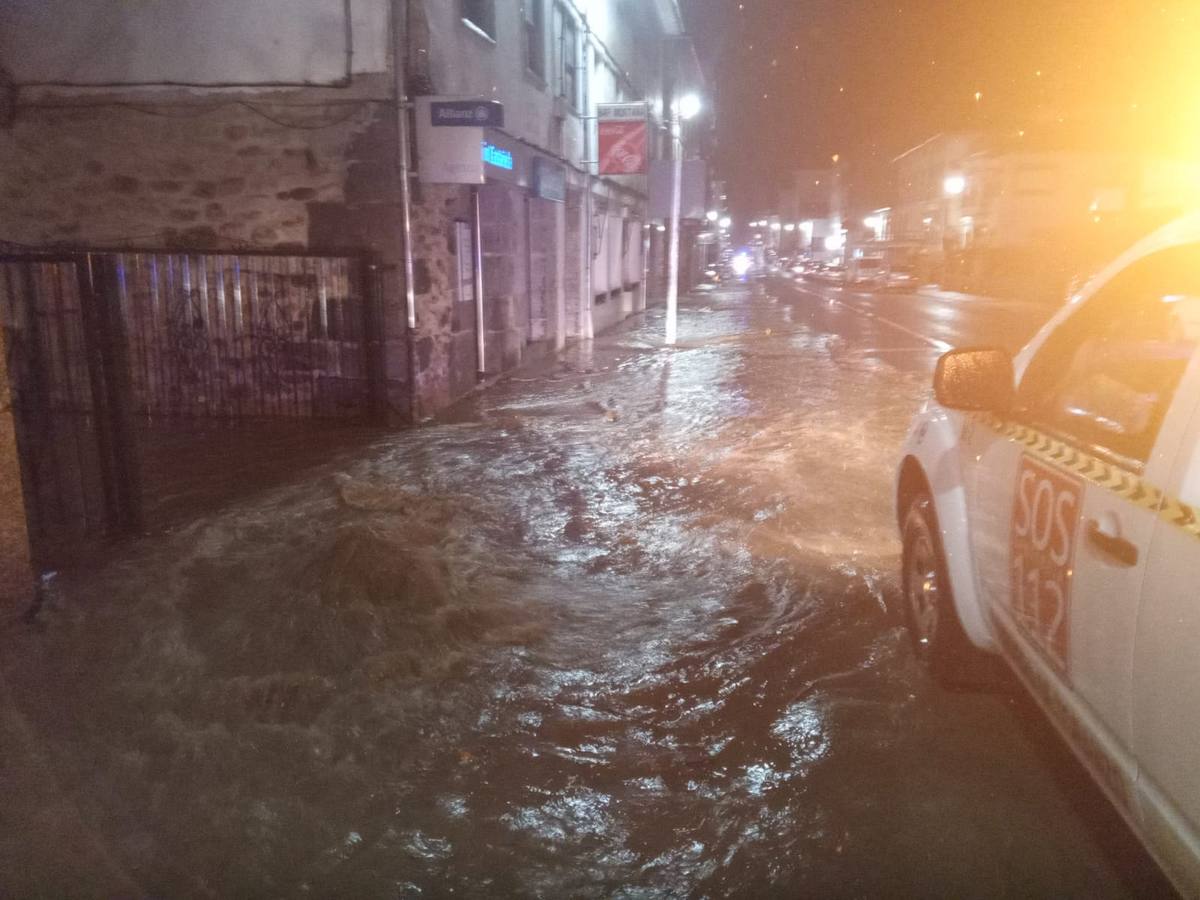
point(623, 138)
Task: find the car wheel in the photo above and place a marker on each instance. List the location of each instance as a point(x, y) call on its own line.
point(938, 637)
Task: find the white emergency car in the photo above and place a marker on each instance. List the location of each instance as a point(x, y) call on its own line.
point(1049, 506)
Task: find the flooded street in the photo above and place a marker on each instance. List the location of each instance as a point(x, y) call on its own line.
point(624, 625)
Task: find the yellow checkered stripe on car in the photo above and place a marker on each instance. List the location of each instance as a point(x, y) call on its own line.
point(1103, 474)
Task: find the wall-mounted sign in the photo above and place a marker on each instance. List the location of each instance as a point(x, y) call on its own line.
point(638, 109)
point(549, 179)
point(466, 113)
point(623, 130)
point(504, 158)
point(497, 156)
point(447, 155)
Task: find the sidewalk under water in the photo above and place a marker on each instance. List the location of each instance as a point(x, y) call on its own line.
point(617, 626)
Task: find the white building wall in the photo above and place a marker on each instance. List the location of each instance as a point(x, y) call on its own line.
point(242, 42)
point(628, 46)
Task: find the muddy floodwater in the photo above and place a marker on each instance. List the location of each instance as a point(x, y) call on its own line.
point(624, 625)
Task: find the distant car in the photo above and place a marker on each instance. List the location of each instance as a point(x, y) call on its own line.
point(865, 272)
point(1049, 509)
point(900, 278)
point(802, 267)
point(829, 272)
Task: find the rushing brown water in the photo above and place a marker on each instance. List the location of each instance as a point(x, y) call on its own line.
point(616, 627)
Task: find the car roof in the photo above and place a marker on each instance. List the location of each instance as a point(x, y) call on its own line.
point(1183, 230)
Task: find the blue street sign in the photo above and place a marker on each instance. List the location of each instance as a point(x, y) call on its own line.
point(497, 156)
point(467, 113)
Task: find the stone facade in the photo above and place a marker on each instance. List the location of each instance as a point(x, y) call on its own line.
point(286, 172)
point(197, 173)
point(317, 169)
point(239, 165)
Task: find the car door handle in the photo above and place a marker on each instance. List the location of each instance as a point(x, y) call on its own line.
point(1121, 550)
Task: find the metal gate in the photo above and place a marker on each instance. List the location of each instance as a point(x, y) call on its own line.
point(104, 348)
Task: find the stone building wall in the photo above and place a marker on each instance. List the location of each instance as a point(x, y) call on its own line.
point(292, 170)
point(544, 237)
point(190, 172)
point(573, 264)
point(297, 170)
point(502, 217)
point(435, 210)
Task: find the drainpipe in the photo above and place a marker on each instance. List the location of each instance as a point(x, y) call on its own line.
point(673, 246)
point(480, 342)
point(644, 301)
point(589, 115)
point(399, 66)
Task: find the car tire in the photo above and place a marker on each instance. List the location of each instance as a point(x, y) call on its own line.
point(937, 635)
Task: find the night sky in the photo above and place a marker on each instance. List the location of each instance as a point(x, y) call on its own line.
point(796, 81)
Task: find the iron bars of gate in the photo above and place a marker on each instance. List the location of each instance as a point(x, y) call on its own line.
point(246, 336)
point(95, 341)
point(234, 336)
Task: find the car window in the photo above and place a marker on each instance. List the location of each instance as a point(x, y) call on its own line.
point(1105, 378)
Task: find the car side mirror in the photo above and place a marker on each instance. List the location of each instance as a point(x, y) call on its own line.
point(975, 380)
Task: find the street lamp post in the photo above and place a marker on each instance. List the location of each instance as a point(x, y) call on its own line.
point(686, 107)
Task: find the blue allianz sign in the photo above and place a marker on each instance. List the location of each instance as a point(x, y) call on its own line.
point(497, 156)
point(466, 113)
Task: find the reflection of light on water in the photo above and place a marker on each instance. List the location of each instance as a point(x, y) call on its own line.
point(580, 812)
point(530, 719)
point(454, 806)
point(425, 847)
point(653, 784)
point(760, 777)
point(802, 728)
point(386, 616)
point(720, 744)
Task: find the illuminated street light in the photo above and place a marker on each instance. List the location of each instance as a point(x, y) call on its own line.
point(725, 222)
point(954, 185)
point(689, 106)
point(790, 226)
point(712, 215)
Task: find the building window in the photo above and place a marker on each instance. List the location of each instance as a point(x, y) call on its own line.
point(482, 15)
point(566, 56)
point(535, 37)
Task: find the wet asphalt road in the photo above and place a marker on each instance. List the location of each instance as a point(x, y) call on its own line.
point(624, 625)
